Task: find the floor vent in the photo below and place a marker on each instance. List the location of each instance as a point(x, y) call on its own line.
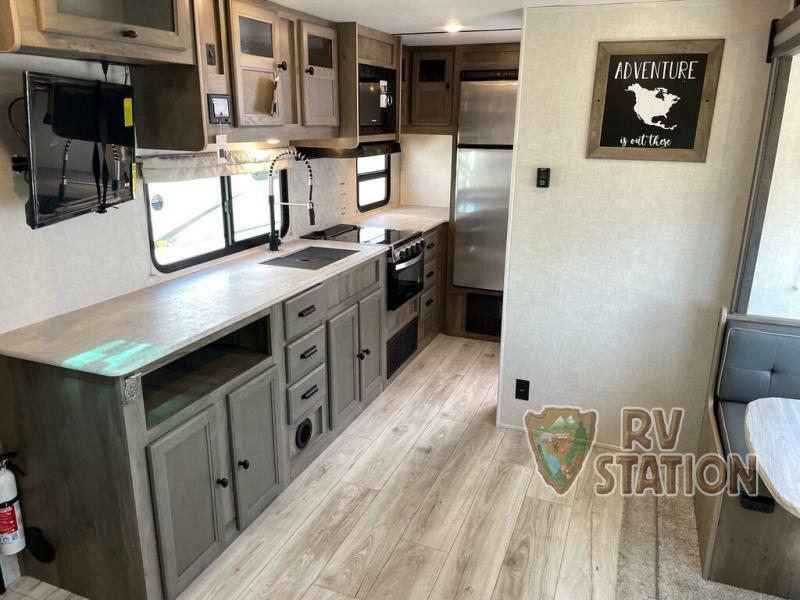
point(484, 314)
point(400, 347)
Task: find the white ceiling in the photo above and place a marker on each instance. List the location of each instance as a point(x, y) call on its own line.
point(416, 16)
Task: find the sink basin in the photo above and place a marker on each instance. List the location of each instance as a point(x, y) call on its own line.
point(312, 258)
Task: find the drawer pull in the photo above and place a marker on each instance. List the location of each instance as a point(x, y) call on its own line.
point(431, 246)
point(223, 482)
point(430, 274)
point(245, 464)
point(129, 33)
point(309, 353)
point(307, 311)
point(429, 302)
point(310, 392)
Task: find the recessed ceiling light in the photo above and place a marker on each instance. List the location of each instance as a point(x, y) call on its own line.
point(453, 27)
point(273, 141)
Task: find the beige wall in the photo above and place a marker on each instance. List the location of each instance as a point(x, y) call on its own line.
point(616, 273)
point(427, 166)
point(776, 284)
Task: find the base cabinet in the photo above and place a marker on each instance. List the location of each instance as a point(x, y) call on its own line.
point(187, 478)
point(343, 368)
point(197, 481)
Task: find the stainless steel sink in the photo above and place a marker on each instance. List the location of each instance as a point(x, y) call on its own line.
point(311, 258)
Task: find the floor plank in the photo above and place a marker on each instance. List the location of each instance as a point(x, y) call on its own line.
point(355, 566)
point(475, 388)
point(473, 565)
point(378, 415)
point(320, 593)
point(376, 465)
point(409, 574)
point(258, 544)
point(289, 575)
point(439, 518)
point(533, 560)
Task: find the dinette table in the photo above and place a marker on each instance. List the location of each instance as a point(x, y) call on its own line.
point(772, 432)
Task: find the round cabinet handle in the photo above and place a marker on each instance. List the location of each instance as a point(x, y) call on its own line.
point(310, 70)
point(245, 464)
point(361, 356)
point(129, 33)
point(283, 66)
point(223, 482)
point(366, 351)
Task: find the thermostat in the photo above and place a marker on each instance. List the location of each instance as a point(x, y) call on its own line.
point(219, 109)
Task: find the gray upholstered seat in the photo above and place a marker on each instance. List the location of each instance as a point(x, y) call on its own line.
point(758, 361)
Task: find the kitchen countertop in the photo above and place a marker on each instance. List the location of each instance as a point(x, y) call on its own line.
point(416, 218)
point(124, 335)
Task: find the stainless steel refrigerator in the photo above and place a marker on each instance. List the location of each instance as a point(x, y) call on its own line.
point(483, 177)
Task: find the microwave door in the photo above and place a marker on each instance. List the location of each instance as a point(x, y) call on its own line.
point(370, 112)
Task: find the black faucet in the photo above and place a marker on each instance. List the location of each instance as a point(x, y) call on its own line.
point(273, 237)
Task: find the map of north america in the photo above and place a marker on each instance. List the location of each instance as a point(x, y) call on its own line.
point(653, 104)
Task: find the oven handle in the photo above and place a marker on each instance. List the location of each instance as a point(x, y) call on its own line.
point(407, 264)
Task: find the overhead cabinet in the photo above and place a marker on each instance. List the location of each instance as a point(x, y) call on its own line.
point(119, 30)
point(432, 88)
point(320, 79)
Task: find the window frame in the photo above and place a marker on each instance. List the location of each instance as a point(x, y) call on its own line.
point(231, 247)
point(376, 175)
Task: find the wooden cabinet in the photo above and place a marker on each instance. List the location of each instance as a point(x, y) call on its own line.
point(343, 371)
point(254, 39)
point(432, 88)
point(355, 358)
point(320, 78)
point(255, 449)
point(121, 31)
point(187, 481)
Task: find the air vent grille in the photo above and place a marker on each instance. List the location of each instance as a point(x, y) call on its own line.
point(401, 346)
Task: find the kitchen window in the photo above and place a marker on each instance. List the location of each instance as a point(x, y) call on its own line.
point(374, 181)
point(199, 220)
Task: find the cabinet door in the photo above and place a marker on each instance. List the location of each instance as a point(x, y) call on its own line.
point(157, 23)
point(254, 47)
point(187, 486)
point(432, 88)
point(253, 413)
point(343, 365)
point(369, 331)
point(320, 80)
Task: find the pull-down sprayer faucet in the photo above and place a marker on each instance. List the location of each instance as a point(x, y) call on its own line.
point(273, 237)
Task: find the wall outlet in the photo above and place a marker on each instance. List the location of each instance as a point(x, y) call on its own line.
point(522, 391)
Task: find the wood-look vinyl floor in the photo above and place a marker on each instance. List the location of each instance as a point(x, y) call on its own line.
point(424, 498)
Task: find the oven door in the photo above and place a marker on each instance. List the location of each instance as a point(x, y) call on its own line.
point(405, 281)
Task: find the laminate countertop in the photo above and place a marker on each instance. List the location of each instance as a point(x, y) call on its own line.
point(416, 218)
point(124, 335)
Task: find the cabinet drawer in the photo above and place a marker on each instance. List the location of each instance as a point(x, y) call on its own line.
point(432, 243)
point(429, 303)
point(354, 283)
point(307, 393)
point(305, 312)
point(305, 355)
point(430, 272)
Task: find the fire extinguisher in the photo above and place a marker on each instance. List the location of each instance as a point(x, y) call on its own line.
point(12, 534)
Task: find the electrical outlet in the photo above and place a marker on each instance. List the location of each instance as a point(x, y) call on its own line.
point(522, 389)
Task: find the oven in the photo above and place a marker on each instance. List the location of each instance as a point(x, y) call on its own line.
point(405, 275)
point(376, 111)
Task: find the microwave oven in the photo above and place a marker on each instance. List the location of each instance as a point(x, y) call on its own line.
point(376, 107)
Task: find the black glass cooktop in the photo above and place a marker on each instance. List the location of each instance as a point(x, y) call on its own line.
point(362, 235)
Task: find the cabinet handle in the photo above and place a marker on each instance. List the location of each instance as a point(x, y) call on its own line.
point(245, 464)
point(429, 275)
point(447, 86)
point(310, 70)
point(361, 356)
point(429, 302)
point(283, 66)
point(310, 393)
point(307, 311)
point(129, 33)
point(366, 351)
point(431, 246)
point(223, 482)
point(309, 353)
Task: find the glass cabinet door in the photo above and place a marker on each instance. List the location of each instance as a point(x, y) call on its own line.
point(158, 23)
point(320, 82)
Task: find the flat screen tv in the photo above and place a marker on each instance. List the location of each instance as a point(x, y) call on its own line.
point(81, 147)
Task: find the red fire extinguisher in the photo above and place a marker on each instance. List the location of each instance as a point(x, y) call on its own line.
point(12, 534)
